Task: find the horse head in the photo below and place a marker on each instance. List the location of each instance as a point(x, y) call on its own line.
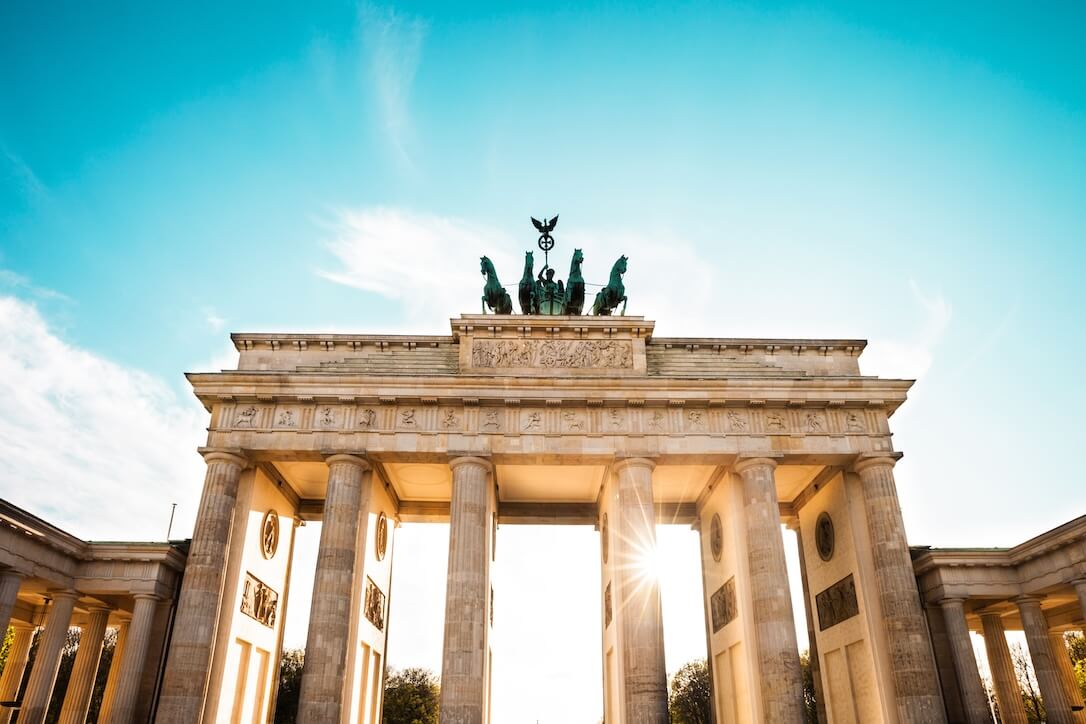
point(485, 265)
point(529, 262)
point(578, 257)
point(620, 265)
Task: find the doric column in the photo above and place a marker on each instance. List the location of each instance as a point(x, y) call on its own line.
point(466, 647)
point(330, 613)
point(974, 700)
point(1044, 664)
point(1004, 679)
point(774, 628)
point(185, 682)
point(130, 675)
point(812, 643)
point(1062, 658)
point(1080, 589)
point(916, 681)
point(638, 592)
point(10, 580)
point(15, 666)
point(43, 675)
point(81, 683)
point(114, 672)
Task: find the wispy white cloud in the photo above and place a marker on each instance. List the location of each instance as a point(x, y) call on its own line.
point(392, 46)
point(17, 282)
point(92, 446)
point(213, 320)
point(910, 357)
point(24, 176)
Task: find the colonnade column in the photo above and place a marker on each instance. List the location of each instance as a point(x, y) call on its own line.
point(974, 700)
point(1044, 665)
point(185, 684)
point(1080, 589)
point(466, 649)
point(81, 684)
point(43, 675)
point(1004, 679)
point(812, 638)
point(916, 681)
point(1067, 675)
point(10, 580)
point(328, 641)
point(130, 675)
point(779, 676)
point(114, 672)
point(15, 666)
point(645, 685)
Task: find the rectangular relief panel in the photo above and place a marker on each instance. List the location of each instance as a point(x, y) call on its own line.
point(837, 603)
point(259, 601)
point(375, 605)
point(723, 605)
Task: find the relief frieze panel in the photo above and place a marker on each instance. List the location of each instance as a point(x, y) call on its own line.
point(259, 601)
point(723, 605)
point(561, 353)
point(837, 603)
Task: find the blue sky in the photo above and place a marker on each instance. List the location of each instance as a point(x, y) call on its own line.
point(912, 175)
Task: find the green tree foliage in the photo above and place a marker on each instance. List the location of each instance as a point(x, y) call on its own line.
point(1027, 682)
point(1076, 645)
point(290, 686)
point(412, 696)
point(810, 700)
point(5, 648)
point(690, 694)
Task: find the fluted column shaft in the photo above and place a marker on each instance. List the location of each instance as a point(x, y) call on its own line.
point(43, 675)
point(185, 684)
point(1062, 658)
point(974, 700)
point(812, 642)
point(467, 629)
point(130, 675)
point(1004, 679)
point(779, 676)
point(10, 580)
point(330, 613)
point(114, 672)
point(916, 680)
point(81, 683)
point(1045, 668)
point(638, 591)
point(15, 666)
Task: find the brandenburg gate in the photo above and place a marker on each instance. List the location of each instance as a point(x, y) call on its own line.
point(552, 419)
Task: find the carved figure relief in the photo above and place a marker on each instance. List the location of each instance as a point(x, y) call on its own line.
point(824, 536)
point(328, 417)
point(407, 418)
point(656, 422)
point(286, 419)
point(837, 603)
point(573, 421)
point(380, 537)
point(737, 422)
point(716, 537)
point(607, 605)
point(696, 420)
point(450, 420)
point(259, 601)
point(269, 534)
point(616, 419)
point(367, 418)
point(774, 421)
point(246, 417)
point(853, 422)
point(374, 605)
point(723, 605)
point(573, 353)
point(492, 420)
point(815, 422)
point(533, 422)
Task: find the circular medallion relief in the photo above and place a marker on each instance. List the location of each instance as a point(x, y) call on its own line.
point(824, 536)
point(269, 534)
point(716, 537)
point(380, 537)
point(603, 536)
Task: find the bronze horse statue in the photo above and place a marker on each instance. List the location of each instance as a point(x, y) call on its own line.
point(574, 299)
point(608, 298)
point(529, 301)
point(494, 293)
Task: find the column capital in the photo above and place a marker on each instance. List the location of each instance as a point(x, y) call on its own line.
point(16, 573)
point(870, 460)
point(952, 601)
point(63, 593)
point(989, 613)
point(1026, 599)
point(234, 456)
point(332, 458)
point(633, 462)
point(743, 464)
point(458, 460)
point(100, 608)
point(146, 596)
